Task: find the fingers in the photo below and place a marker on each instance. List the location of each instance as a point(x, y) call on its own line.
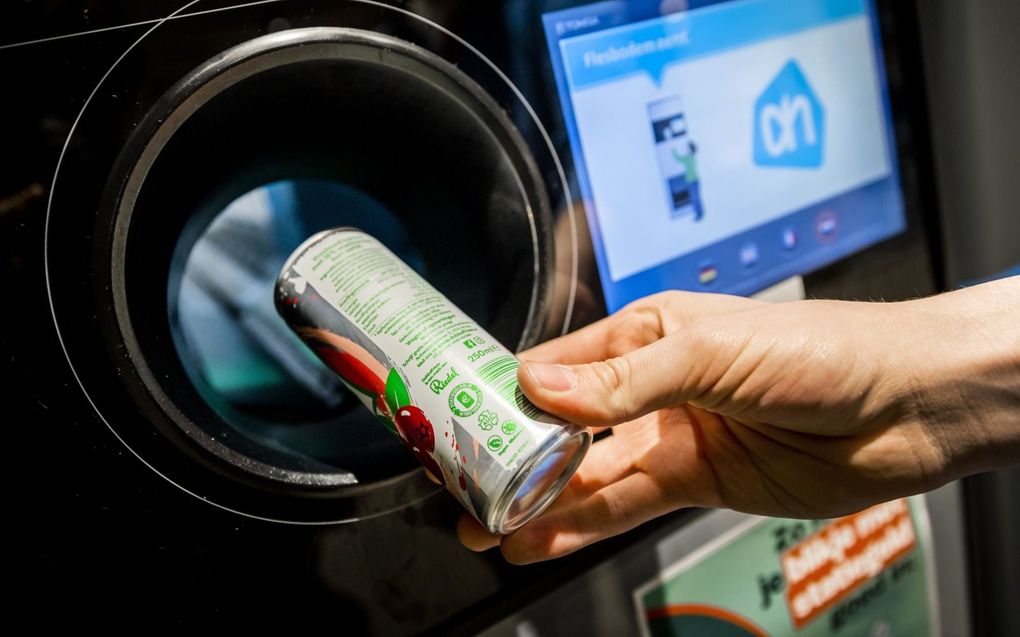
point(605, 463)
point(645, 357)
point(630, 482)
point(563, 529)
point(607, 393)
point(639, 324)
point(475, 536)
point(590, 343)
point(610, 511)
point(635, 326)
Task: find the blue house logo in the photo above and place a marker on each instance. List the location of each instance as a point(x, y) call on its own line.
point(789, 122)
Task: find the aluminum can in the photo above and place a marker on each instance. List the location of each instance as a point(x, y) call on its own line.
point(431, 375)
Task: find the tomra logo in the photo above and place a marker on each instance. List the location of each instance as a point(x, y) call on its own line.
point(789, 122)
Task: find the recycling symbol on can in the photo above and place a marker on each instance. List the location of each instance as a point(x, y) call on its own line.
point(487, 420)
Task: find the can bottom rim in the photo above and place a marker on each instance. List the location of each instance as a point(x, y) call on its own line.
point(540, 480)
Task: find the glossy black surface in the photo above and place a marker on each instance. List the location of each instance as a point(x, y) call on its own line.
point(105, 537)
point(100, 538)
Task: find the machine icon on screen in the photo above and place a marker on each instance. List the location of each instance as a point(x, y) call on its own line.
point(677, 157)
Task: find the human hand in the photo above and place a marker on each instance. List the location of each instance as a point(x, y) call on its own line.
point(811, 409)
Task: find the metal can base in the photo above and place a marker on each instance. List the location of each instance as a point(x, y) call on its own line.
point(539, 481)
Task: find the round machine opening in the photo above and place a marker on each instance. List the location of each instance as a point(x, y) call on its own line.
point(264, 146)
point(262, 382)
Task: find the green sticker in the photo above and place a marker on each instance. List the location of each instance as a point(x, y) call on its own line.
point(863, 574)
point(397, 395)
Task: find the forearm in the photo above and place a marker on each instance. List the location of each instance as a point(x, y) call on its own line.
point(965, 370)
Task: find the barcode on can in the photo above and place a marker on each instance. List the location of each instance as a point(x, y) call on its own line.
point(500, 375)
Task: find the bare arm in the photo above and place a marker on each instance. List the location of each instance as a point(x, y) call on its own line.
point(810, 409)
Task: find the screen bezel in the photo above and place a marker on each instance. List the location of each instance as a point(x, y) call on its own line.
point(904, 265)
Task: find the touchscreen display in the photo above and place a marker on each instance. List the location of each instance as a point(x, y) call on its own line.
point(725, 146)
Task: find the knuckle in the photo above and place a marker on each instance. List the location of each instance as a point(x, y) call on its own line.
point(613, 379)
point(532, 542)
point(514, 553)
point(643, 322)
point(670, 296)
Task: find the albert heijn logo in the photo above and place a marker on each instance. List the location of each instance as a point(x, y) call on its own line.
point(789, 122)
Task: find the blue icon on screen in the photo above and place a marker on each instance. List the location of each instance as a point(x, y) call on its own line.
point(749, 254)
point(790, 238)
point(789, 122)
point(825, 226)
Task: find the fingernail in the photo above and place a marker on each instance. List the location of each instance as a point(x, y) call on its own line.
point(555, 378)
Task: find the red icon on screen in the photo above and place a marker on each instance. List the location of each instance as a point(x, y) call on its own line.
point(707, 273)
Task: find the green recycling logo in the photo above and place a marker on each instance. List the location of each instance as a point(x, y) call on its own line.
point(465, 400)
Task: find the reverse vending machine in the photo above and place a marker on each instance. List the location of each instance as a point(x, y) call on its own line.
point(180, 459)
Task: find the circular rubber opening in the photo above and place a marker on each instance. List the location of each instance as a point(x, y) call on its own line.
point(256, 151)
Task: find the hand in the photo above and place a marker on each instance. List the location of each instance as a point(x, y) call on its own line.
point(810, 409)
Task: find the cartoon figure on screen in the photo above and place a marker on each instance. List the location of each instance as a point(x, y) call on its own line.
point(677, 157)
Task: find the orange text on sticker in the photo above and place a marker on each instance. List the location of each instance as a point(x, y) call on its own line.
point(844, 554)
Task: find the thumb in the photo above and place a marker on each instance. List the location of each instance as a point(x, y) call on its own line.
point(617, 390)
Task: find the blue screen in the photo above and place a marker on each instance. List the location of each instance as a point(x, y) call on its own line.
point(726, 146)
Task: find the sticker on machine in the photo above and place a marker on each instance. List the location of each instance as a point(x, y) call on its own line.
point(865, 574)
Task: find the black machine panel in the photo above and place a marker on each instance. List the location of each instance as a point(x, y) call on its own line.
point(176, 459)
